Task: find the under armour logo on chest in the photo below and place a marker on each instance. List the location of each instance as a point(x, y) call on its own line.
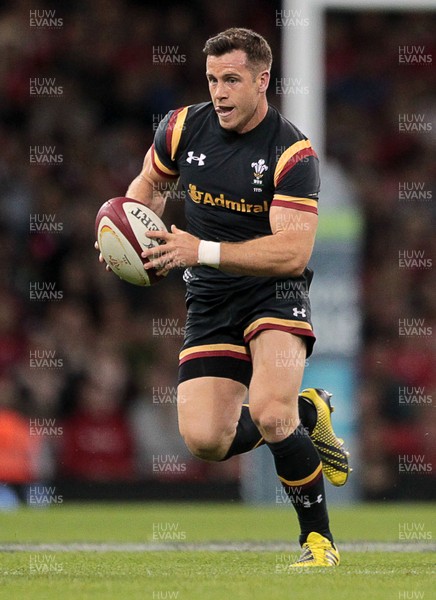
point(199, 159)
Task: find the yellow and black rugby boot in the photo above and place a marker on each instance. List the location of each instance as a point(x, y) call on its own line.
point(318, 551)
point(330, 448)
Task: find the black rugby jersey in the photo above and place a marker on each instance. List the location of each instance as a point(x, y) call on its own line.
point(231, 180)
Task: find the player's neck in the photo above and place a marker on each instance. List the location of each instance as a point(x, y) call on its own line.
point(257, 117)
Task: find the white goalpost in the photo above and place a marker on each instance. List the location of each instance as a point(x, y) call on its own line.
point(303, 56)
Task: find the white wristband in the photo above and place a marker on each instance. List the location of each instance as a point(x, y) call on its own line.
point(209, 253)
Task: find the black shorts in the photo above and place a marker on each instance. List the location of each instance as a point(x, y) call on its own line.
point(220, 326)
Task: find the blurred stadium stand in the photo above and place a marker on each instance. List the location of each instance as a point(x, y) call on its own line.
point(367, 92)
point(104, 406)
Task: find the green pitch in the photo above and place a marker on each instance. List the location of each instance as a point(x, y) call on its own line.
point(216, 552)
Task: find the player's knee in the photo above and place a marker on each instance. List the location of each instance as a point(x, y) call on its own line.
point(266, 422)
point(274, 419)
point(205, 446)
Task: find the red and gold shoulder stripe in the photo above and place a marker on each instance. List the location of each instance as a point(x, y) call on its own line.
point(159, 167)
point(173, 134)
point(305, 204)
point(174, 130)
point(290, 157)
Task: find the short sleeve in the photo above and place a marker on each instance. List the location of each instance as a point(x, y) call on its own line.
point(166, 142)
point(296, 178)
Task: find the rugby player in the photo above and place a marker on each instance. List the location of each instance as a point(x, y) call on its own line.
point(251, 181)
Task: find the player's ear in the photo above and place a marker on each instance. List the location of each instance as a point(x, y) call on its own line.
point(263, 80)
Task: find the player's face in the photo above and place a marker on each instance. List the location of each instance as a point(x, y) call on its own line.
point(238, 94)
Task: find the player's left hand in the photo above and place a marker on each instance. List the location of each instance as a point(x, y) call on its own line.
point(180, 249)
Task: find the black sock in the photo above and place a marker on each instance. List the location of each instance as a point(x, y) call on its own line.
point(248, 436)
point(299, 470)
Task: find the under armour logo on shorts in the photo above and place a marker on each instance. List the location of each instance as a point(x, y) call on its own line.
point(297, 312)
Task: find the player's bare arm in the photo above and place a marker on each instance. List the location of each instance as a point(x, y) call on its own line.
point(149, 187)
point(285, 253)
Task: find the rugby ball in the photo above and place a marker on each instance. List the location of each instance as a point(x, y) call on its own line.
point(120, 228)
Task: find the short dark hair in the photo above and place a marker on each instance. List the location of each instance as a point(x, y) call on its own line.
point(255, 46)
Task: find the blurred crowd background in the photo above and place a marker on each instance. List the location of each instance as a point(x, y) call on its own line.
point(88, 364)
point(371, 93)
